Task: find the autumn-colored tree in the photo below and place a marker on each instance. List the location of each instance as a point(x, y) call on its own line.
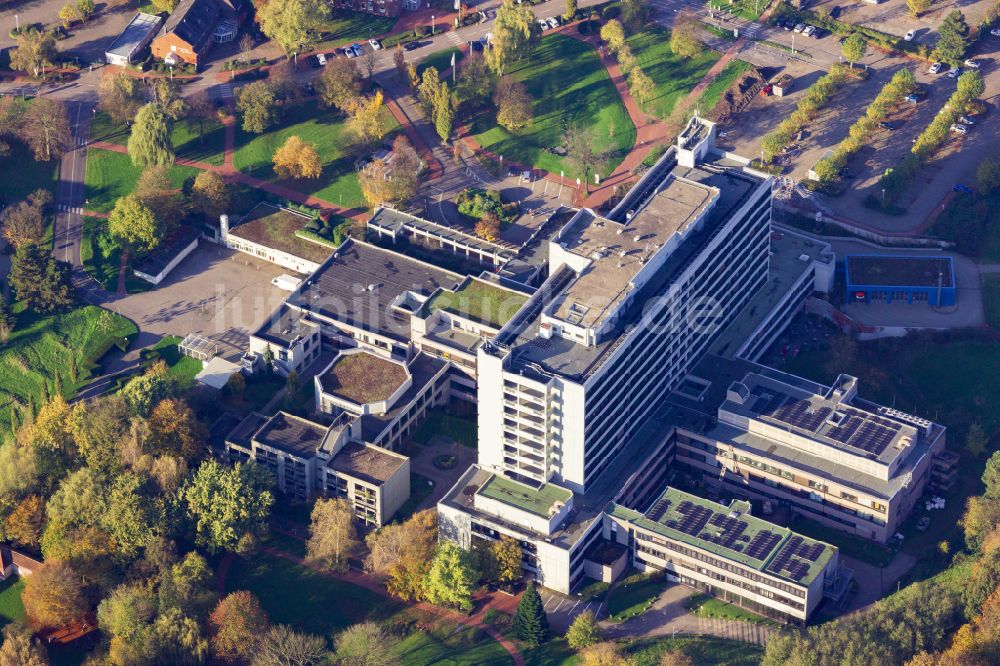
point(429, 91)
point(399, 61)
point(157, 193)
point(684, 35)
point(515, 31)
point(119, 95)
point(640, 85)
point(45, 128)
point(602, 654)
point(507, 553)
point(613, 34)
point(339, 84)
point(210, 195)
point(297, 159)
point(20, 649)
point(488, 227)
point(22, 224)
point(53, 595)
point(150, 143)
point(35, 50)
point(402, 553)
point(332, 537)
point(235, 625)
point(27, 521)
point(583, 632)
point(366, 119)
point(175, 430)
point(513, 104)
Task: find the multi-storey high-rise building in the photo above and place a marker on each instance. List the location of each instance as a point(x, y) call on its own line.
point(631, 303)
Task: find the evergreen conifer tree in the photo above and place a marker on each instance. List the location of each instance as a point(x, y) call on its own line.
point(530, 623)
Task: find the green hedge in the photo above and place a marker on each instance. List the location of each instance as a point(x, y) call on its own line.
point(817, 97)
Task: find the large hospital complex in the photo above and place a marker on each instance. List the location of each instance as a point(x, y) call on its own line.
point(614, 364)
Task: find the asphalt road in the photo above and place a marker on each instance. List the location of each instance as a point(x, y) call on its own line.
point(69, 195)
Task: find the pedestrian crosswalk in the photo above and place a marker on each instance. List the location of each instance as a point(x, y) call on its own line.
point(751, 30)
point(453, 38)
point(226, 90)
point(63, 208)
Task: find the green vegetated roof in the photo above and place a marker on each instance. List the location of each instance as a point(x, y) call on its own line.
point(480, 301)
point(363, 377)
point(275, 228)
point(754, 527)
point(524, 497)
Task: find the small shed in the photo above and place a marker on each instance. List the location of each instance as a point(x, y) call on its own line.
point(783, 85)
point(132, 40)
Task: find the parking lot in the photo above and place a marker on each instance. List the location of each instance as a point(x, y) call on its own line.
point(217, 292)
point(562, 609)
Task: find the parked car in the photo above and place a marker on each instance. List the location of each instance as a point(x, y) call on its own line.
point(799, 27)
point(962, 189)
point(321, 59)
point(888, 125)
point(553, 21)
point(966, 120)
point(476, 45)
point(543, 25)
point(314, 62)
point(953, 73)
point(349, 52)
point(340, 51)
point(935, 68)
point(789, 24)
point(358, 50)
point(912, 97)
point(835, 11)
point(908, 37)
point(409, 46)
point(808, 30)
point(995, 32)
point(375, 44)
point(818, 33)
point(971, 64)
point(958, 128)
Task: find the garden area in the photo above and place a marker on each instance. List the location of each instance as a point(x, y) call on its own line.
point(633, 596)
point(568, 86)
point(440, 421)
point(705, 605)
point(47, 354)
point(11, 608)
point(338, 183)
point(673, 75)
point(319, 604)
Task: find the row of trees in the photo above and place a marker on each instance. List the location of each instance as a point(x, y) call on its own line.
point(639, 83)
point(892, 94)
point(895, 181)
point(818, 96)
point(79, 11)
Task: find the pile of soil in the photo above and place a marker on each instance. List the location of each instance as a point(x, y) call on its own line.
point(739, 95)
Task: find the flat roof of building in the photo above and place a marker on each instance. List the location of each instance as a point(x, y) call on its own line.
point(156, 261)
point(544, 501)
point(531, 353)
point(480, 301)
point(619, 251)
point(244, 431)
point(292, 434)
point(366, 462)
point(822, 417)
point(791, 256)
point(274, 227)
point(733, 534)
point(363, 377)
point(423, 369)
point(393, 220)
point(694, 407)
point(284, 325)
point(138, 30)
point(873, 270)
point(359, 282)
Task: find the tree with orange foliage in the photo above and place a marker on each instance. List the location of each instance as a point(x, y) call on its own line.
point(53, 595)
point(27, 521)
point(297, 159)
point(237, 622)
point(402, 553)
point(488, 228)
point(175, 430)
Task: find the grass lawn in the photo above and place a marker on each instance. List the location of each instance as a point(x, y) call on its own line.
point(633, 596)
point(991, 298)
point(181, 367)
point(344, 27)
point(674, 76)
point(440, 422)
point(111, 175)
point(481, 302)
point(704, 605)
point(21, 174)
point(43, 347)
point(288, 544)
point(441, 60)
point(11, 608)
point(338, 183)
point(309, 601)
point(703, 650)
point(101, 262)
point(569, 86)
point(184, 136)
point(713, 92)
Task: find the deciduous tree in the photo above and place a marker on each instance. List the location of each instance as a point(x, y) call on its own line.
point(119, 95)
point(988, 175)
point(366, 119)
point(149, 143)
point(20, 649)
point(297, 159)
point(602, 654)
point(53, 595)
point(35, 50)
point(488, 228)
point(157, 193)
point(402, 552)
point(634, 14)
point(45, 128)
point(226, 503)
point(475, 80)
point(918, 7)
point(332, 536)
point(613, 34)
point(854, 48)
point(27, 521)
point(569, 13)
point(134, 225)
point(451, 578)
point(684, 35)
point(444, 114)
point(365, 644)
point(257, 104)
point(292, 24)
point(339, 85)
point(283, 646)
point(515, 31)
point(975, 441)
point(507, 553)
point(513, 104)
point(69, 14)
point(23, 225)
point(581, 153)
point(640, 85)
point(583, 632)
point(236, 624)
point(210, 195)
point(399, 62)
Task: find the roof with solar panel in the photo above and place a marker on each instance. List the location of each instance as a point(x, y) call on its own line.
point(732, 533)
point(829, 418)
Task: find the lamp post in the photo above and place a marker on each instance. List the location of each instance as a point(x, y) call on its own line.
point(432, 25)
point(17, 23)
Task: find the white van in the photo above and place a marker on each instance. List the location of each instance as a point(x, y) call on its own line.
point(286, 282)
